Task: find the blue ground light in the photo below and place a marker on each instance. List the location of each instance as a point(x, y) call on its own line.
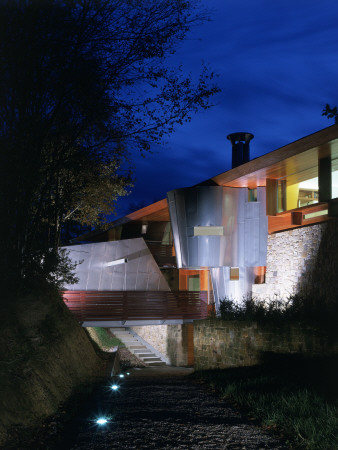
point(102, 421)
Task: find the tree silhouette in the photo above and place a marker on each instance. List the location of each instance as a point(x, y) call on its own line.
point(82, 82)
point(331, 113)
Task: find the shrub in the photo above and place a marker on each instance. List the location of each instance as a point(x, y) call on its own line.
point(296, 308)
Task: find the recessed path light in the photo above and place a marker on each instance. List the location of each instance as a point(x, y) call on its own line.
point(101, 421)
point(114, 387)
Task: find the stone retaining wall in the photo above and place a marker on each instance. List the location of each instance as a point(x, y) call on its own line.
point(221, 344)
point(302, 260)
point(156, 335)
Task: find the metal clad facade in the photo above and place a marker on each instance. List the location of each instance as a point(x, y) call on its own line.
point(139, 273)
point(244, 240)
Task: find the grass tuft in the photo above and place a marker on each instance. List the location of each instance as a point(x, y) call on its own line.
point(103, 338)
point(297, 396)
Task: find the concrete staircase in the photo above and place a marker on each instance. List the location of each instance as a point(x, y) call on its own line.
point(139, 347)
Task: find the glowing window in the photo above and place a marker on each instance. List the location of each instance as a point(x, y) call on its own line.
point(313, 215)
point(297, 190)
point(334, 179)
point(234, 273)
point(208, 231)
point(193, 283)
point(252, 195)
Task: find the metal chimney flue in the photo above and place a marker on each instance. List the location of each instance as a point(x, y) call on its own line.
point(240, 147)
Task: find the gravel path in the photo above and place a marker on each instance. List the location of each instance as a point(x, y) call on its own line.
point(167, 413)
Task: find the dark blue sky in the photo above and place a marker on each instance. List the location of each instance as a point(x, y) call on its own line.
point(277, 62)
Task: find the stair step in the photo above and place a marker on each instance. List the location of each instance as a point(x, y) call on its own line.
point(150, 359)
point(127, 338)
point(136, 347)
point(123, 333)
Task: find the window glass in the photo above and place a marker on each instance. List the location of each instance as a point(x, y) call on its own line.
point(193, 283)
point(334, 178)
point(308, 192)
point(208, 231)
point(252, 195)
point(234, 273)
point(297, 190)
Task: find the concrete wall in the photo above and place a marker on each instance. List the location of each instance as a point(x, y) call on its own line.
point(223, 344)
point(170, 340)
point(302, 260)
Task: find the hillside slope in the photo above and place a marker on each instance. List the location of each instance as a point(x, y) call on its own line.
point(44, 356)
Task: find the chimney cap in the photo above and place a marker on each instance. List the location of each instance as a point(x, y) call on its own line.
point(240, 136)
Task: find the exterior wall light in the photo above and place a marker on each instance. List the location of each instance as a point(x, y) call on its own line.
point(144, 229)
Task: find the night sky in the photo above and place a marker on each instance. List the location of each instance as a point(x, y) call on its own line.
point(277, 62)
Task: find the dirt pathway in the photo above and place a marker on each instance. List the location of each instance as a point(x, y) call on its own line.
point(163, 409)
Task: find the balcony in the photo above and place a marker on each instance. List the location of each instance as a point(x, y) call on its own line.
point(102, 308)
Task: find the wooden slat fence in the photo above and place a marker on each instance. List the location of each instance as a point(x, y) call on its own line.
point(136, 305)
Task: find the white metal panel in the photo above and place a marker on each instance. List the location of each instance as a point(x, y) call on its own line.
point(140, 272)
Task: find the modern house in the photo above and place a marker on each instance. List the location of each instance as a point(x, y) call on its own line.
point(266, 228)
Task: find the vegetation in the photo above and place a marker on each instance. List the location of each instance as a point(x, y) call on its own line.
point(331, 113)
point(296, 308)
point(82, 83)
point(103, 338)
point(294, 395)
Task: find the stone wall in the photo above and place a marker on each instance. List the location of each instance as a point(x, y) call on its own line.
point(302, 260)
point(156, 335)
point(222, 344)
point(170, 340)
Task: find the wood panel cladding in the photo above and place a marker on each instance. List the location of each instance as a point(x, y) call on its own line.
point(297, 156)
point(136, 305)
point(203, 274)
point(295, 218)
point(271, 196)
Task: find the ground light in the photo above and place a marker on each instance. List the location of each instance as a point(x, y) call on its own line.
point(101, 421)
point(114, 387)
point(121, 375)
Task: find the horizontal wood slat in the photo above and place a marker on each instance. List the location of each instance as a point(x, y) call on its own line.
point(136, 305)
point(295, 218)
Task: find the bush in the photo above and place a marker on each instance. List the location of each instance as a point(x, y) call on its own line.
point(296, 308)
point(251, 309)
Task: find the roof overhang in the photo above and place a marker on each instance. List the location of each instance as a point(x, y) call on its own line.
point(301, 155)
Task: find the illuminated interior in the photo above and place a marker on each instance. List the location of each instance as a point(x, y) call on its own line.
point(334, 176)
point(301, 189)
point(298, 190)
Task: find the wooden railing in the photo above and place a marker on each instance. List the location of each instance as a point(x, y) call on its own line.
point(136, 305)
